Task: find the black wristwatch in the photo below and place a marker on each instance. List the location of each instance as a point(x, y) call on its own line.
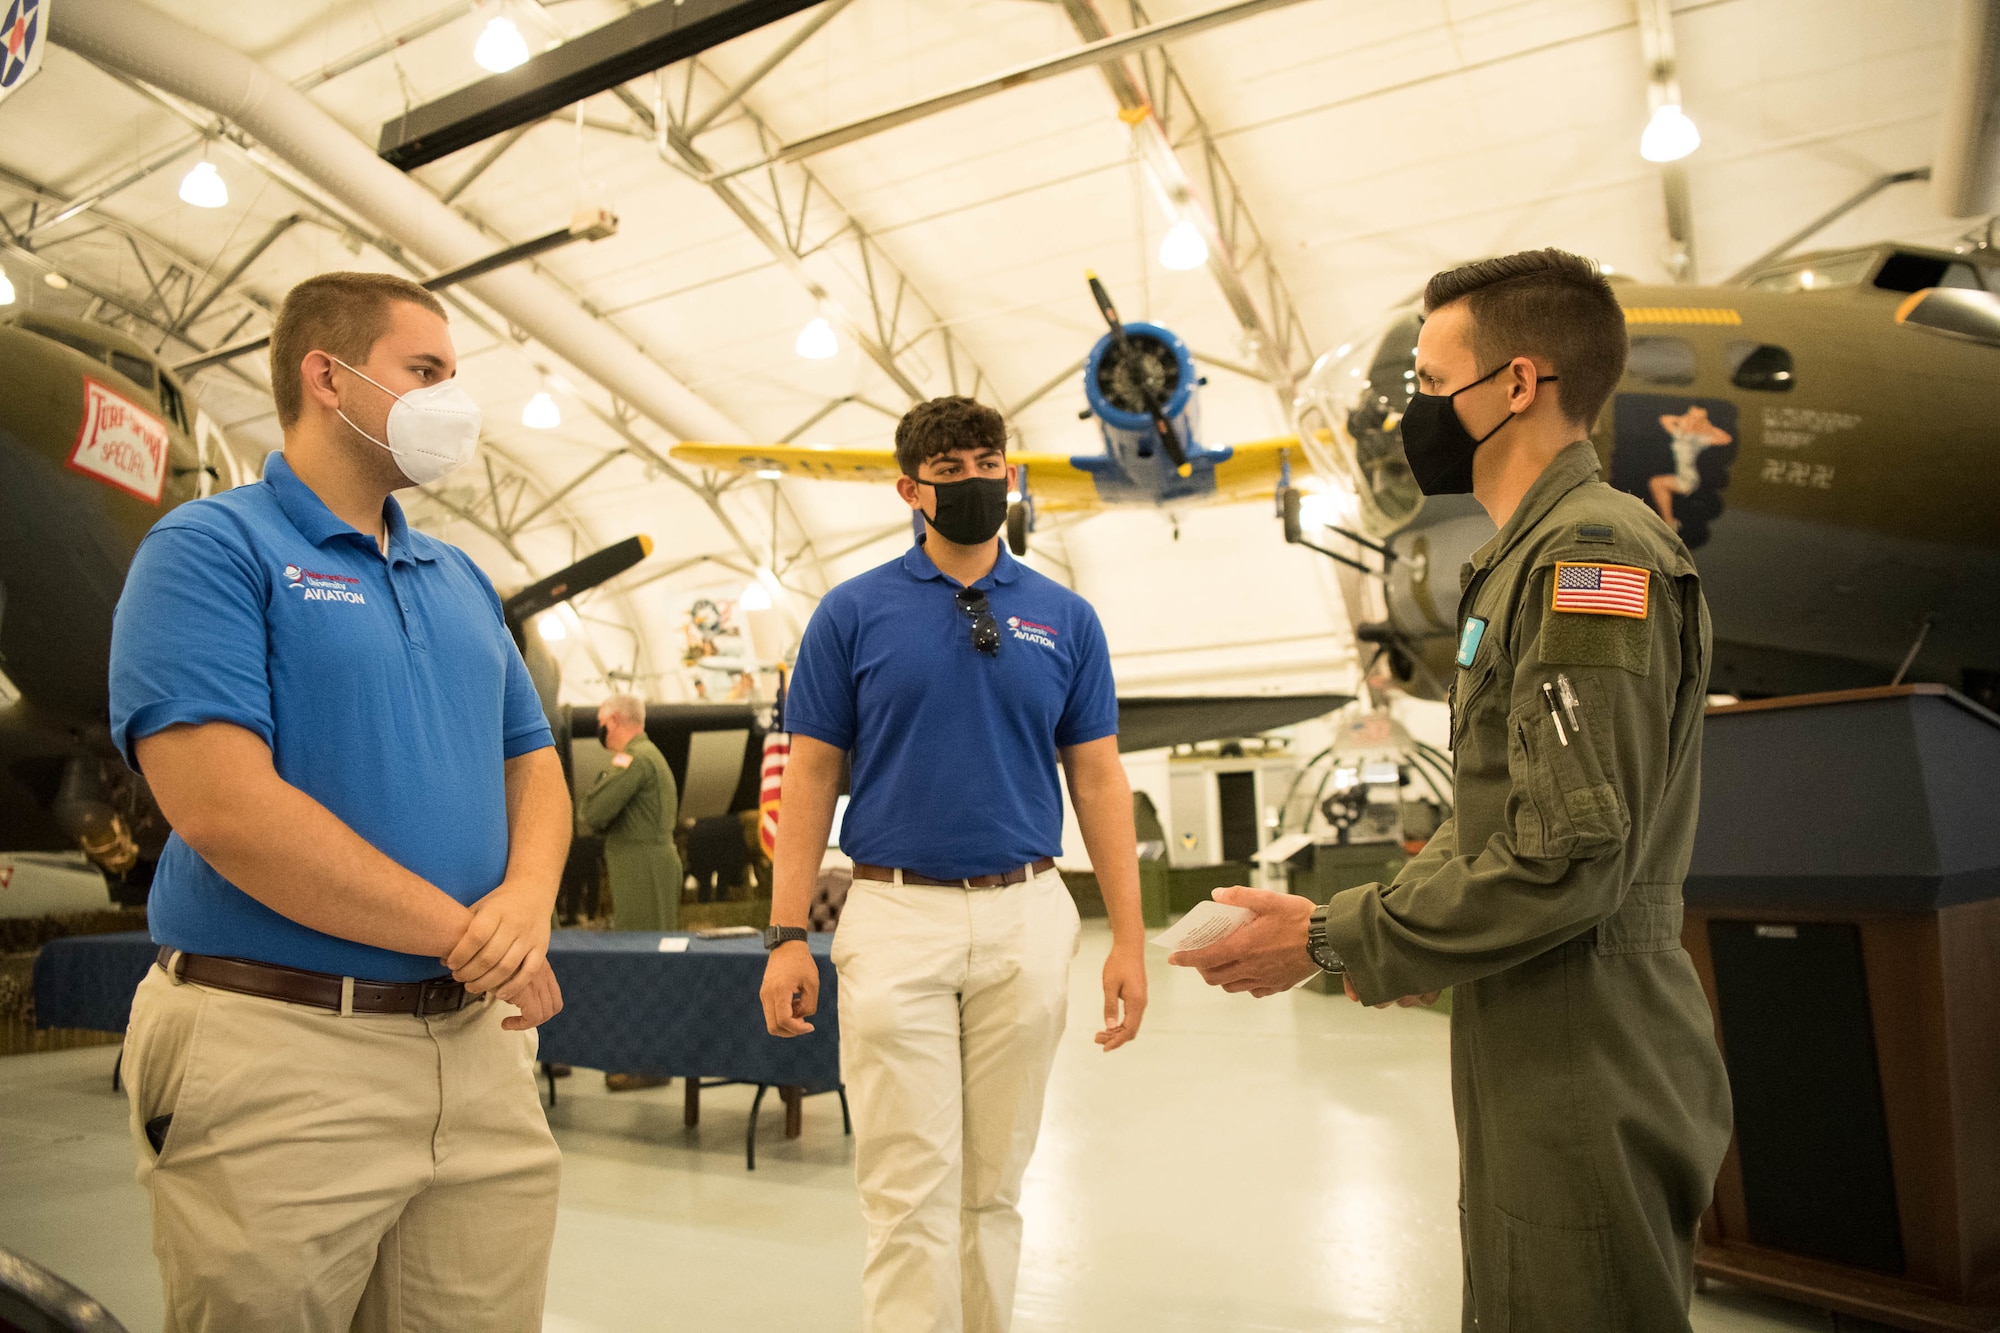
point(1322, 954)
point(776, 935)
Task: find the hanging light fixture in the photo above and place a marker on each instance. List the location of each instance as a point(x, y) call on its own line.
point(500, 46)
point(55, 280)
point(1183, 247)
point(541, 413)
point(204, 187)
point(6, 289)
point(756, 597)
point(817, 341)
point(551, 628)
point(1669, 135)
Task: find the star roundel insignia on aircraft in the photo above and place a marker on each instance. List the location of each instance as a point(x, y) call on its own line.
point(20, 42)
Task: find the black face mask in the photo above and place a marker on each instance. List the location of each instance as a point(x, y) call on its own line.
point(1436, 443)
point(971, 511)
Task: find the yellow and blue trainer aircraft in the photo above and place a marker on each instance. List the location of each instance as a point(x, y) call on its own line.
point(1142, 388)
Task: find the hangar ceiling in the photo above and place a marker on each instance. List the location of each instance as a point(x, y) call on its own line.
point(1344, 150)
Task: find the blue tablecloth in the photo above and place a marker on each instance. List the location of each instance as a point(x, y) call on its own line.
point(86, 981)
point(630, 1009)
point(627, 1007)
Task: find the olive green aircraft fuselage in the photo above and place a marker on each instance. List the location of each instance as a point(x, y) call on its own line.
point(1825, 437)
point(97, 440)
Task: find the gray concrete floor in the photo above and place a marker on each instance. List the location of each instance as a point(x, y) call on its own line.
point(1274, 1165)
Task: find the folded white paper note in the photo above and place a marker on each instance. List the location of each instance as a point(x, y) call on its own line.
point(674, 944)
point(1208, 922)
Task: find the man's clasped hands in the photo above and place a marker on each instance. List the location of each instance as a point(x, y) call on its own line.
point(503, 951)
point(1266, 955)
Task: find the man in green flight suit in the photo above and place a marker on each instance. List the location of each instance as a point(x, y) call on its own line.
point(634, 804)
point(1592, 1106)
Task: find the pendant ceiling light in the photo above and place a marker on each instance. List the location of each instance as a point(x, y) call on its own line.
point(1183, 247)
point(204, 187)
point(500, 46)
point(541, 413)
point(817, 341)
point(1669, 136)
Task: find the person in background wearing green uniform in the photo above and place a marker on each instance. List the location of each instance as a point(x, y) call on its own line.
point(634, 804)
point(1590, 1097)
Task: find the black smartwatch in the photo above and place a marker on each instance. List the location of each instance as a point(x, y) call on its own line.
point(776, 935)
point(1322, 954)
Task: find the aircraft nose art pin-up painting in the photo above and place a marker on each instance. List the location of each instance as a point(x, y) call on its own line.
point(1820, 434)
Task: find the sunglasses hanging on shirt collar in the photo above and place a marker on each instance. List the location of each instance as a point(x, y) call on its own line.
point(985, 629)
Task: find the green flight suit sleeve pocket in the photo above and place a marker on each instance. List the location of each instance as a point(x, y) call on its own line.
point(1577, 811)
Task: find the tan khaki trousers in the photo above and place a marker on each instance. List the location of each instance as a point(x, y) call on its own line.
point(951, 1004)
point(326, 1173)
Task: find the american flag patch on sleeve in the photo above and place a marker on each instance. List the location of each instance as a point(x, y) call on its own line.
point(1601, 590)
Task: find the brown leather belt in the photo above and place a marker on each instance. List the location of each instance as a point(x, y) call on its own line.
point(321, 990)
point(1006, 877)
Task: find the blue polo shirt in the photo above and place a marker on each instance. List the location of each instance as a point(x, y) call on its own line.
point(953, 752)
point(388, 690)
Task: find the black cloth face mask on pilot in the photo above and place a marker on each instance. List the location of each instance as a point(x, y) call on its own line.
point(969, 512)
point(1436, 443)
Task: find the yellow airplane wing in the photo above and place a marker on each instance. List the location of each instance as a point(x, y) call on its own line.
point(1056, 484)
point(1252, 470)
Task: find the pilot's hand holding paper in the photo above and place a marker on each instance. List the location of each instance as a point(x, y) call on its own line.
point(1265, 953)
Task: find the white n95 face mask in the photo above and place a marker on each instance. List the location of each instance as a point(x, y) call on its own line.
point(432, 431)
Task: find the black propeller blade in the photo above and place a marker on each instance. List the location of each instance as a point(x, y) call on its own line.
point(1168, 440)
point(582, 576)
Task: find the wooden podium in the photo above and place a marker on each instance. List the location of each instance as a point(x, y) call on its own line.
point(1843, 909)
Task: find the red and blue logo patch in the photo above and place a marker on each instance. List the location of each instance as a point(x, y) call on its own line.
point(1029, 631)
point(319, 587)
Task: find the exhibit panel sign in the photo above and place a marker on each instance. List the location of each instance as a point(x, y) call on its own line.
point(22, 39)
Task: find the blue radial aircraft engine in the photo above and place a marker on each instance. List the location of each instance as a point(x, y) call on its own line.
point(1140, 383)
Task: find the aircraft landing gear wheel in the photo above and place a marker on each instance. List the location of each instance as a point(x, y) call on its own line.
point(1017, 528)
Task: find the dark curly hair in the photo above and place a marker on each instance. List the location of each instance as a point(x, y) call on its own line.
point(943, 425)
point(1547, 303)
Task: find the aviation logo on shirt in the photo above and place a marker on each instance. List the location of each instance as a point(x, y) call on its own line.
point(1030, 632)
point(319, 587)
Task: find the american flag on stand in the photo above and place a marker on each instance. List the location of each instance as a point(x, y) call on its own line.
point(777, 750)
point(1605, 590)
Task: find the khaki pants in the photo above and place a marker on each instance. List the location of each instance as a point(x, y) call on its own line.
point(951, 1003)
point(378, 1171)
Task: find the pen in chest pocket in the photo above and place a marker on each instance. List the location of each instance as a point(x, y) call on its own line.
point(1569, 701)
point(1555, 716)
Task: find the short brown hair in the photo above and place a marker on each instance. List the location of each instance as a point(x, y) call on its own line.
point(943, 425)
point(341, 314)
point(1546, 303)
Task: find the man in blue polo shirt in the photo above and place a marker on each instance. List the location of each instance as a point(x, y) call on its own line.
point(958, 681)
point(336, 1123)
